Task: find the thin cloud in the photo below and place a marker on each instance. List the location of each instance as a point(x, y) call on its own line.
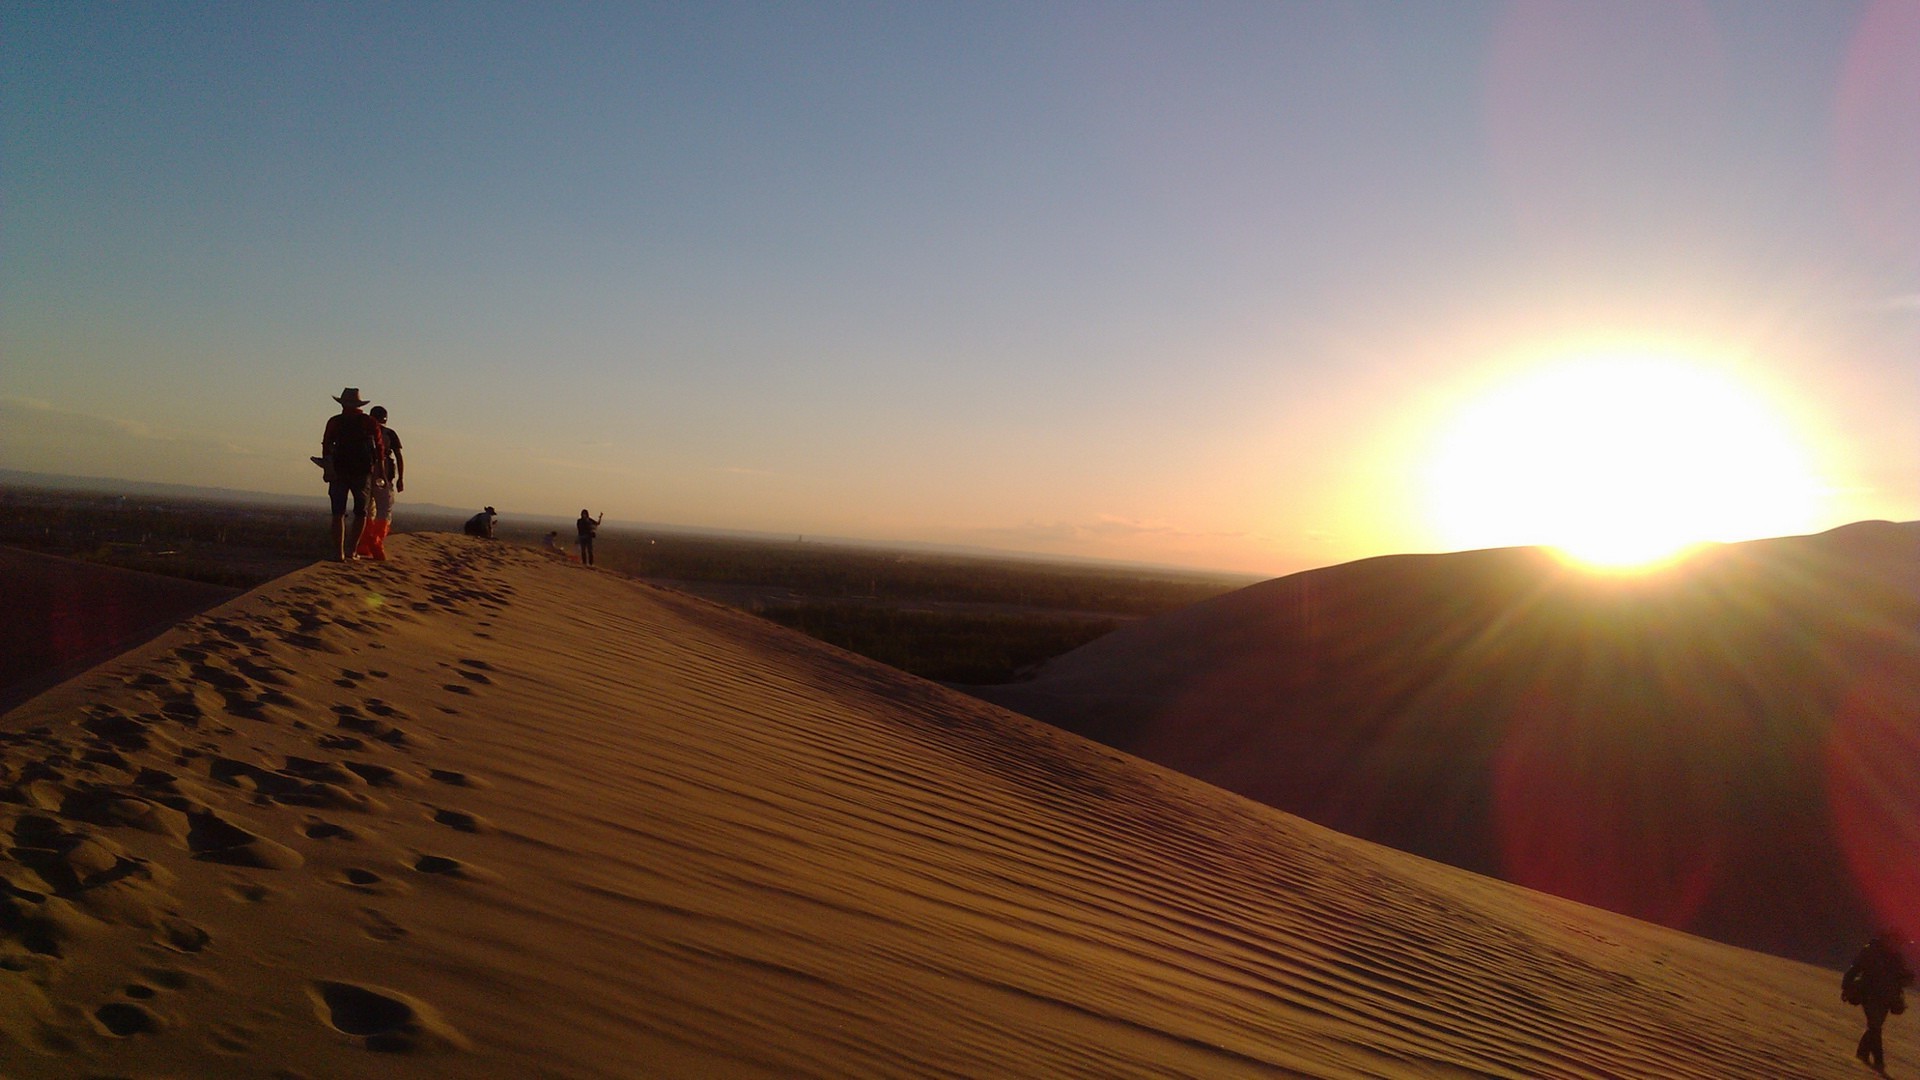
point(1106, 528)
point(43, 412)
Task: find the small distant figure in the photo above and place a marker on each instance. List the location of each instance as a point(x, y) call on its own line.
point(389, 478)
point(350, 447)
point(1876, 982)
point(586, 527)
point(481, 524)
point(553, 541)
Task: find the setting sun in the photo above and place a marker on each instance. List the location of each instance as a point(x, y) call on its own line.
point(1619, 460)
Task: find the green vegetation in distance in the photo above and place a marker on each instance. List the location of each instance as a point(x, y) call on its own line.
point(952, 618)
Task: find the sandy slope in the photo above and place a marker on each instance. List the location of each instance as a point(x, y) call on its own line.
point(479, 813)
point(1729, 748)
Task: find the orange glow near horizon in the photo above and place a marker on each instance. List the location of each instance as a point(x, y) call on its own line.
point(1622, 460)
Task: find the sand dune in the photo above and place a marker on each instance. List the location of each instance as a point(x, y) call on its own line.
point(478, 813)
point(1728, 748)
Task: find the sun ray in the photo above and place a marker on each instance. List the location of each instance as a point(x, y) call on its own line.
point(1619, 460)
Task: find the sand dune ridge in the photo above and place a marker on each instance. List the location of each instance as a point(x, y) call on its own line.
point(482, 813)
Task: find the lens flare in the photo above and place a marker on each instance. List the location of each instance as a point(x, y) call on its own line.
point(1619, 460)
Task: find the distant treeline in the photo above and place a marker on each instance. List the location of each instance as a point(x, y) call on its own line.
point(946, 617)
point(831, 571)
point(958, 647)
point(218, 543)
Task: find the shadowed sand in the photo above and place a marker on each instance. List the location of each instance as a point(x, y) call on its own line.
point(1729, 747)
point(59, 617)
point(481, 813)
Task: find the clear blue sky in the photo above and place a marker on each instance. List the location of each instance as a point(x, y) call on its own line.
point(1183, 283)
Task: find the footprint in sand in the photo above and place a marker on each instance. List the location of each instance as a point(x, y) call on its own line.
point(181, 936)
point(121, 1019)
point(441, 865)
point(361, 879)
point(327, 830)
point(167, 977)
point(456, 688)
point(455, 779)
point(212, 838)
point(228, 1038)
point(379, 775)
point(260, 673)
point(376, 925)
point(384, 1020)
point(251, 892)
point(352, 719)
point(458, 820)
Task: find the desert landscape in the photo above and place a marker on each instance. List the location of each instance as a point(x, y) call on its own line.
point(1724, 746)
point(1300, 539)
point(477, 812)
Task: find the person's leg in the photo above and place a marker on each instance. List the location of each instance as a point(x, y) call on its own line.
point(386, 522)
point(337, 495)
point(373, 534)
point(358, 491)
point(1871, 1051)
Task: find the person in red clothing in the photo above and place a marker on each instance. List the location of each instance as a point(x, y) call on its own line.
point(350, 448)
point(389, 478)
point(1876, 982)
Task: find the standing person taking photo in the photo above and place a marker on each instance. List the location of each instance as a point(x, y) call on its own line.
point(586, 527)
point(350, 448)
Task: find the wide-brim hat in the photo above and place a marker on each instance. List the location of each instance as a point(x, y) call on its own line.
point(351, 396)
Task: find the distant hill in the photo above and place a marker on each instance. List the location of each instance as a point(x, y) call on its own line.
point(191, 492)
point(1674, 746)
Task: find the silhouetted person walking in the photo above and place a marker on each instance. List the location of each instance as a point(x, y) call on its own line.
point(350, 447)
point(1874, 983)
point(586, 527)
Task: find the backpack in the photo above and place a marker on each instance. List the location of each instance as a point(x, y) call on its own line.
point(356, 445)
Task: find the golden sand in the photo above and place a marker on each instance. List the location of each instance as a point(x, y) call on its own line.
point(478, 812)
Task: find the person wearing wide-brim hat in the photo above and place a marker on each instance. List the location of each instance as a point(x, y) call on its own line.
point(350, 447)
point(481, 524)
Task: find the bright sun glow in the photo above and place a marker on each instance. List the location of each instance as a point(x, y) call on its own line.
point(1620, 460)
